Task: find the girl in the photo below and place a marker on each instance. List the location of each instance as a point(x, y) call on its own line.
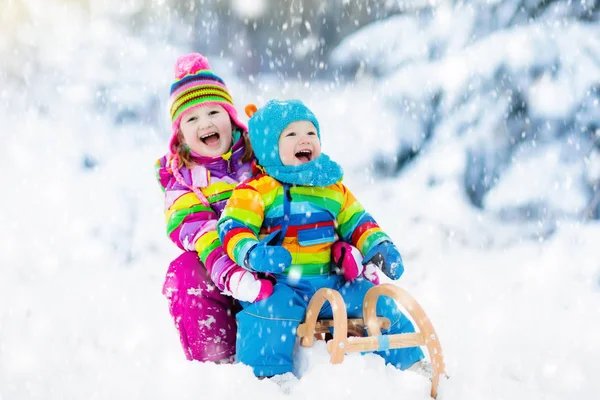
point(285, 222)
point(209, 154)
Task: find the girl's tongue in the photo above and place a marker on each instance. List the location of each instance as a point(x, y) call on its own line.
point(212, 140)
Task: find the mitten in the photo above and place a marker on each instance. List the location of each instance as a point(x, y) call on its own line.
point(268, 257)
point(234, 280)
point(387, 257)
point(347, 260)
point(248, 286)
point(370, 273)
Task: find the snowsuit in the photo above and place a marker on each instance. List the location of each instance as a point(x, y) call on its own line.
point(204, 317)
point(304, 220)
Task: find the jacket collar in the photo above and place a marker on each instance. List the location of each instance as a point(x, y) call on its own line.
point(225, 164)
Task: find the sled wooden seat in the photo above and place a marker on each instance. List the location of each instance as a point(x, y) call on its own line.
point(342, 326)
point(356, 327)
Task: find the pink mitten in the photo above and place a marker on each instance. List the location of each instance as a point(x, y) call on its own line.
point(347, 259)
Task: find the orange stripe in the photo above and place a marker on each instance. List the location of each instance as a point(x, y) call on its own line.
point(251, 205)
point(365, 235)
point(234, 241)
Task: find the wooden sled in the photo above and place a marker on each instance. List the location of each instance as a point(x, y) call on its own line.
point(341, 343)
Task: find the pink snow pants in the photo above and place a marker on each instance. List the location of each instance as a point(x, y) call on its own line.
point(203, 316)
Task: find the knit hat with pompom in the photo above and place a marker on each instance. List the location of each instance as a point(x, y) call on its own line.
point(196, 85)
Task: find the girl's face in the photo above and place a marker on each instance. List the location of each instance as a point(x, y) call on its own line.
point(207, 130)
point(299, 143)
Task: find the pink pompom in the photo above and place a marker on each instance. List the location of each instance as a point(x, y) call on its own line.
point(190, 64)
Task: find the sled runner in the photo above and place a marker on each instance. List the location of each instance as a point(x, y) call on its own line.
point(342, 326)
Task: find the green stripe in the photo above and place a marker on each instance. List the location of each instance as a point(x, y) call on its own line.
point(373, 239)
point(309, 269)
point(351, 210)
point(319, 192)
point(238, 249)
point(275, 203)
point(206, 252)
point(323, 202)
point(178, 216)
point(320, 257)
point(201, 92)
point(347, 228)
point(219, 196)
point(200, 100)
point(245, 217)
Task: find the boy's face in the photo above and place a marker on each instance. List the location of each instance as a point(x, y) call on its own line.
point(299, 143)
point(207, 130)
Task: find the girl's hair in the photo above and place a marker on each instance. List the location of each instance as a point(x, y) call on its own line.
point(183, 151)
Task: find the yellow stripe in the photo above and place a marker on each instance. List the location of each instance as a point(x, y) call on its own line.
point(333, 192)
point(218, 187)
point(270, 196)
point(188, 200)
point(365, 235)
point(194, 91)
point(311, 258)
point(207, 88)
point(347, 214)
point(235, 239)
point(205, 240)
point(246, 217)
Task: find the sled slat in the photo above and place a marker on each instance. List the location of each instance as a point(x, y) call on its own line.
point(372, 343)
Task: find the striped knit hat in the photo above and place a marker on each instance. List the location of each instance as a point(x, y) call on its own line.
point(196, 85)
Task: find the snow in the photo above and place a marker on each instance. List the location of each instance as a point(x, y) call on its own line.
point(84, 256)
point(249, 9)
point(83, 253)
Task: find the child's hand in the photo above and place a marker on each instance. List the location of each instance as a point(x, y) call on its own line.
point(347, 260)
point(248, 286)
point(387, 257)
point(266, 258)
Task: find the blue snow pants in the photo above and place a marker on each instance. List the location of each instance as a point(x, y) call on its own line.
point(267, 329)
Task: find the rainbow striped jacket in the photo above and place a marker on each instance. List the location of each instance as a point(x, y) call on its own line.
point(311, 218)
point(190, 224)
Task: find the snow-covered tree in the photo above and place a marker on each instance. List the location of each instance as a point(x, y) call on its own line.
point(514, 86)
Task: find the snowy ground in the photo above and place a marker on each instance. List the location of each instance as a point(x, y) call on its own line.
point(83, 256)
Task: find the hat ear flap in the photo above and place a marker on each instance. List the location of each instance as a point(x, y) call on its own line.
point(250, 110)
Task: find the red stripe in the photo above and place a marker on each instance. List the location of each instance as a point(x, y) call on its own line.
point(232, 233)
point(293, 230)
point(362, 229)
point(244, 185)
point(267, 230)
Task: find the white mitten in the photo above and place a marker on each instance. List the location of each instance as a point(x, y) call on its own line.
point(247, 286)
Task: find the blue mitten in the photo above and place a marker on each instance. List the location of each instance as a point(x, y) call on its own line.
point(387, 257)
point(264, 257)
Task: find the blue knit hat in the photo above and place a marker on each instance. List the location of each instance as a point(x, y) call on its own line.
point(265, 127)
point(267, 123)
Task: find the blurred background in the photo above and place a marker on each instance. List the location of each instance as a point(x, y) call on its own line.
point(505, 81)
point(469, 129)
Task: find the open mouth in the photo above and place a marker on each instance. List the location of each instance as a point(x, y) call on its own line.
point(211, 139)
point(304, 156)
